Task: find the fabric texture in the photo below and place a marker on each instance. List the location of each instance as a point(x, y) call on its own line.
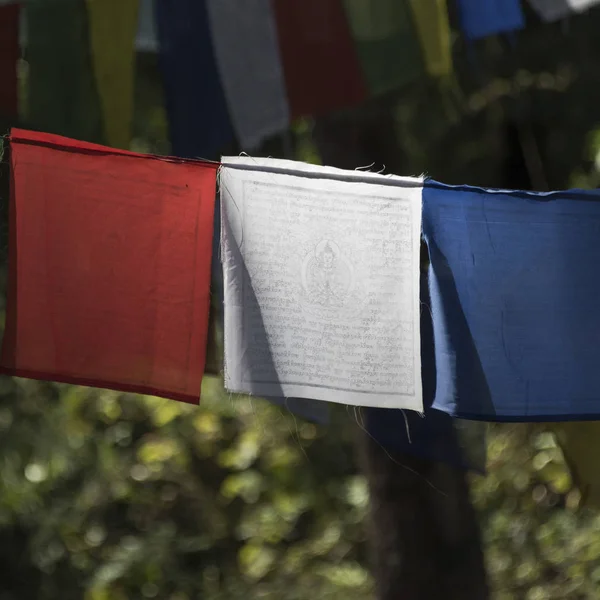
point(62, 95)
point(580, 444)
point(514, 292)
point(552, 10)
point(9, 56)
point(113, 27)
point(433, 29)
point(198, 118)
point(109, 267)
point(385, 40)
point(322, 71)
point(484, 18)
point(322, 289)
point(244, 36)
point(434, 436)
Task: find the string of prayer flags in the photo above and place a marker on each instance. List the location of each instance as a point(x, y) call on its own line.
point(199, 121)
point(113, 27)
point(552, 10)
point(322, 71)
point(514, 293)
point(62, 95)
point(9, 56)
point(433, 29)
point(386, 44)
point(109, 267)
point(321, 282)
point(246, 47)
point(481, 19)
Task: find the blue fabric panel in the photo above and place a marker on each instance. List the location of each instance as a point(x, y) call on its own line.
point(481, 18)
point(198, 119)
point(515, 290)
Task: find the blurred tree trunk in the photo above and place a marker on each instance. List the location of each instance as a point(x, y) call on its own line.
point(424, 535)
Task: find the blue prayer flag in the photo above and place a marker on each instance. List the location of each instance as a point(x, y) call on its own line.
point(198, 119)
point(482, 18)
point(514, 294)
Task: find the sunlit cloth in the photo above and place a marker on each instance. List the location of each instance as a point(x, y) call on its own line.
point(198, 118)
point(62, 95)
point(109, 267)
point(9, 56)
point(482, 18)
point(322, 71)
point(321, 281)
point(244, 36)
point(113, 27)
point(514, 296)
point(552, 10)
point(433, 29)
point(385, 39)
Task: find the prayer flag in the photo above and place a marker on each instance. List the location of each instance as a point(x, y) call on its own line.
point(433, 29)
point(321, 279)
point(109, 267)
point(113, 28)
point(552, 10)
point(514, 293)
point(580, 444)
point(244, 36)
point(9, 56)
point(198, 117)
point(322, 71)
point(386, 43)
point(482, 18)
point(62, 95)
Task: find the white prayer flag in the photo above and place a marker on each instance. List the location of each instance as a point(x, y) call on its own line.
point(244, 36)
point(321, 277)
point(552, 10)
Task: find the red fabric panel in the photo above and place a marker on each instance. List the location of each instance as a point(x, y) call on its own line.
point(109, 268)
point(322, 72)
point(9, 55)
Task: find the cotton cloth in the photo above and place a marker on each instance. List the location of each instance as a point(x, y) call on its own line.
point(9, 56)
point(321, 288)
point(109, 267)
point(199, 121)
point(62, 94)
point(580, 444)
point(433, 29)
point(322, 71)
point(514, 292)
point(386, 43)
point(113, 28)
point(482, 18)
point(244, 36)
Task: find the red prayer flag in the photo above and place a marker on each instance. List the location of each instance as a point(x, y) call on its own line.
point(109, 267)
point(321, 68)
point(9, 56)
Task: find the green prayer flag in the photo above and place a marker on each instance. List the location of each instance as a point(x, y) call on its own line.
point(62, 95)
point(386, 43)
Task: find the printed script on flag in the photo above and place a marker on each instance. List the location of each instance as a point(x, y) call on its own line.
point(321, 275)
point(109, 267)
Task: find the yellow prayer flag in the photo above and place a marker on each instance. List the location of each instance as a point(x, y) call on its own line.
point(433, 30)
point(580, 444)
point(113, 27)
